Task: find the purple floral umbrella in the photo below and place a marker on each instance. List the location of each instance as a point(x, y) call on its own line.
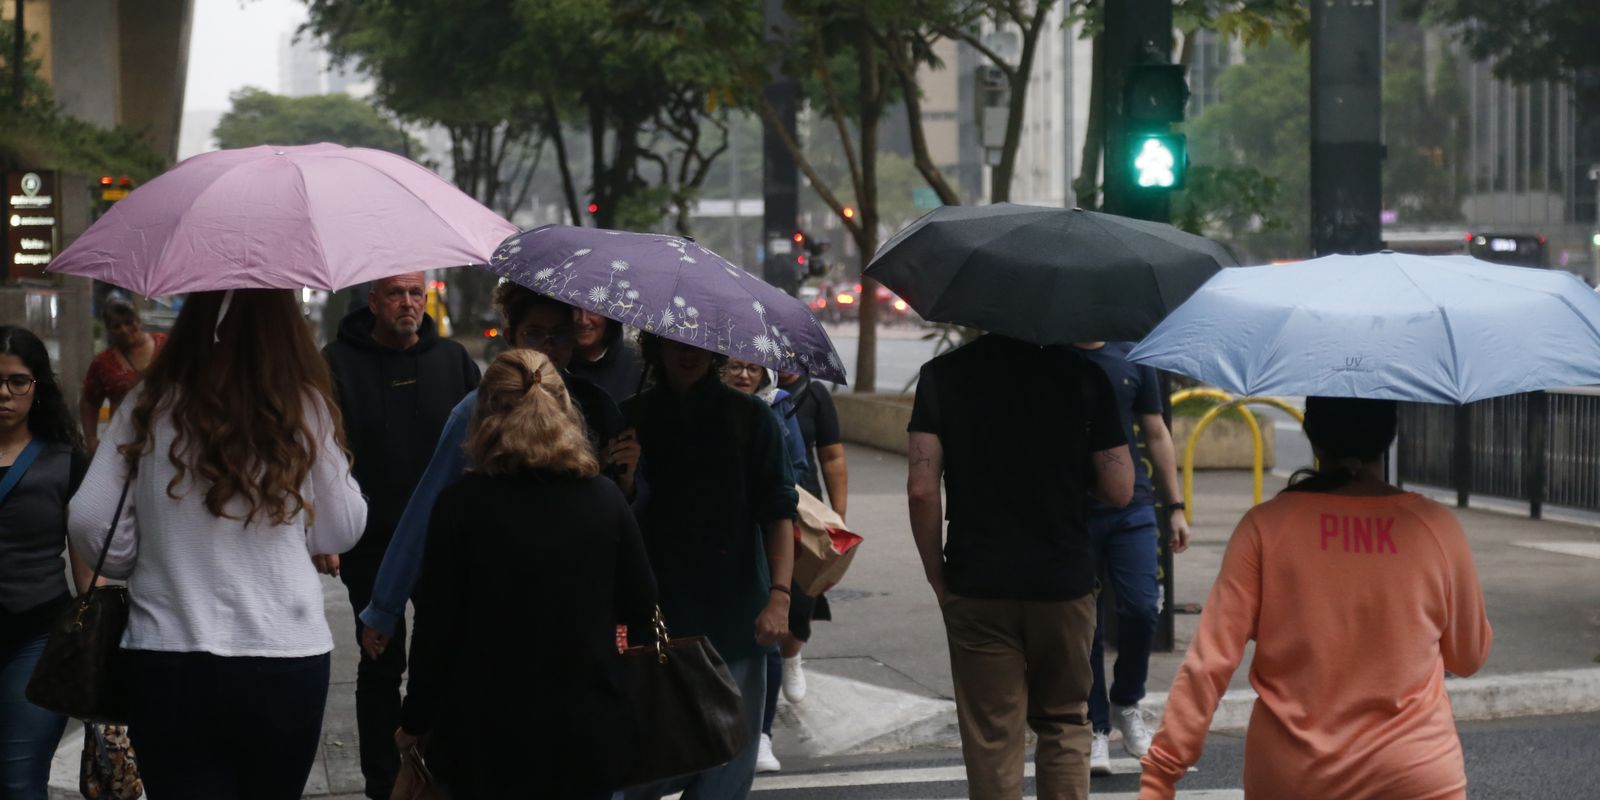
point(672, 287)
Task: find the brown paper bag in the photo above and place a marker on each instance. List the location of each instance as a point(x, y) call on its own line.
point(823, 546)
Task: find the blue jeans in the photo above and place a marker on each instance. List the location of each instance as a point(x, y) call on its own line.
point(28, 733)
point(1125, 542)
point(732, 780)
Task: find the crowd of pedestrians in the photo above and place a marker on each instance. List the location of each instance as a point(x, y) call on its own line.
point(589, 480)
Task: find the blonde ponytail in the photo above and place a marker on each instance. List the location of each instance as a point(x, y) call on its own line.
point(525, 420)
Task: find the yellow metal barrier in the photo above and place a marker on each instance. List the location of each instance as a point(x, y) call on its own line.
point(1230, 403)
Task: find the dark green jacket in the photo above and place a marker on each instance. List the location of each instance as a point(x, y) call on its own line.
point(716, 470)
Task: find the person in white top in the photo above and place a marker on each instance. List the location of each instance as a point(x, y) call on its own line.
point(239, 477)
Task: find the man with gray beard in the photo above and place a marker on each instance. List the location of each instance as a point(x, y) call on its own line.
point(395, 381)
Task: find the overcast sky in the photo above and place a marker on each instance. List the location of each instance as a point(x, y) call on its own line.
point(234, 43)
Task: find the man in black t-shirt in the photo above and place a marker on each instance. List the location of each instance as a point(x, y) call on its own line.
point(1020, 436)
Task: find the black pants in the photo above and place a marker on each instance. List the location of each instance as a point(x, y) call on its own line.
point(207, 727)
point(377, 683)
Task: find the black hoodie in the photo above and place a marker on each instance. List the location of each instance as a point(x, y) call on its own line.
point(395, 403)
point(617, 371)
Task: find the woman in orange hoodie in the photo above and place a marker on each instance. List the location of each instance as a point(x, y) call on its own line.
point(1359, 597)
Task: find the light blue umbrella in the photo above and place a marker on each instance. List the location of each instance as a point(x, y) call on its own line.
point(1385, 326)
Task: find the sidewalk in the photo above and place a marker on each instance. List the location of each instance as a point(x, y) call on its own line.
point(880, 674)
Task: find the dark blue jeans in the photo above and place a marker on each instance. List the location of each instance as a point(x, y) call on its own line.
point(28, 733)
point(207, 727)
point(1125, 542)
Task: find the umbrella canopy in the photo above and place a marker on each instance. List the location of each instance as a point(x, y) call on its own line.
point(322, 216)
point(1045, 275)
point(672, 287)
point(1385, 326)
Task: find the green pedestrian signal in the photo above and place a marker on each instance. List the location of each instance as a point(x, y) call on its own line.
point(1159, 160)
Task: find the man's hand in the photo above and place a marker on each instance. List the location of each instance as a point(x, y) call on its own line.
point(405, 741)
point(773, 624)
point(327, 565)
point(1180, 531)
point(937, 582)
point(623, 452)
point(373, 642)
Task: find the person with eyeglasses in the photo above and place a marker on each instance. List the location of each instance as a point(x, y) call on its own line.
point(42, 462)
point(535, 322)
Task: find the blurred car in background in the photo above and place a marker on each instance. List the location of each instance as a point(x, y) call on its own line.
point(842, 302)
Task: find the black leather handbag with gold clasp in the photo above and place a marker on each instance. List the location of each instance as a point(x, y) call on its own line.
point(78, 673)
point(687, 711)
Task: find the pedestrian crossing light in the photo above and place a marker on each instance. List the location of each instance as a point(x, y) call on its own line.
point(1159, 160)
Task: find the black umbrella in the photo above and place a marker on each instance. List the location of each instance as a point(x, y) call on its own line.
point(1045, 275)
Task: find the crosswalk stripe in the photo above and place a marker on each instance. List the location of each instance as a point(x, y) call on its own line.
point(886, 777)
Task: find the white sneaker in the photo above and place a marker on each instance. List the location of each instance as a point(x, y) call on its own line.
point(794, 680)
point(1100, 754)
point(1135, 736)
point(765, 760)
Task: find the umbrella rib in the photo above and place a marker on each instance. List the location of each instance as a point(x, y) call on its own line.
point(1449, 330)
point(425, 204)
point(316, 235)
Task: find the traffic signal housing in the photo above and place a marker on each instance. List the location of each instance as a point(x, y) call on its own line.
point(1157, 161)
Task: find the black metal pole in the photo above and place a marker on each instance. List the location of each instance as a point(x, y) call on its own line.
point(1346, 126)
point(1136, 31)
point(1462, 455)
point(19, 53)
point(780, 177)
point(1536, 466)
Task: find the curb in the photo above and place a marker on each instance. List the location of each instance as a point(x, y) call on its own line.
point(830, 725)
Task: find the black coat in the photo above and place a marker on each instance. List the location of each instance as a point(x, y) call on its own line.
point(395, 403)
point(514, 665)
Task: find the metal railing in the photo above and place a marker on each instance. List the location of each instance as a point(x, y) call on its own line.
point(1229, 403)
point(1541, 447)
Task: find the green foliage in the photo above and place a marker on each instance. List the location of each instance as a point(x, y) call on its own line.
point(1426, 129)
point(260, 117)
point(1528, 40)
point(1261, 124)
point(40, 134)
point(1228, 200)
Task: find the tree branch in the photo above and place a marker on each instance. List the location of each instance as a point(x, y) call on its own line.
point(977, 44)
point(770, 116)
point(906, 69)
point(837, 113)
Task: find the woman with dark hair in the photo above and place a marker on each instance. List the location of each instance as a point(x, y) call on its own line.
point(231, 454)
point(1359, 597)
point(717, 513)
point(113, 373)
point(532, 538)
point(41, 465)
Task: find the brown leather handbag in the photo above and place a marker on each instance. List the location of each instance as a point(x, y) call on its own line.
point(687, 711)
point(77, 673)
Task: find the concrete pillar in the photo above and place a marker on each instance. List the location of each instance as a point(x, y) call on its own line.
point(85, 59)
point(154, 65)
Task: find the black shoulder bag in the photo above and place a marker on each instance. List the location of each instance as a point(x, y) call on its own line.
point(77, 674)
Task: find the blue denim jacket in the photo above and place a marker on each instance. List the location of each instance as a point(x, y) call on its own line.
point(402, 562)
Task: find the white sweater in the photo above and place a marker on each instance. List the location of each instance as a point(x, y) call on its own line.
point(202, 583)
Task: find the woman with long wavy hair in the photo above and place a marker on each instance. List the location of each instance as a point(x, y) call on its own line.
point(230, 454)
point(532, 560)
point(41, 464)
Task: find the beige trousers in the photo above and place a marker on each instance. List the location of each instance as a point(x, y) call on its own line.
point(1017, 665)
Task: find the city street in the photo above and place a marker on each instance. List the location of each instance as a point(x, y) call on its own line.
point(1547, 757)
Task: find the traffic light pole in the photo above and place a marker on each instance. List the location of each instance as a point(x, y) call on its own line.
point(780, 177)
point(1136, 32)
point(1346, 127)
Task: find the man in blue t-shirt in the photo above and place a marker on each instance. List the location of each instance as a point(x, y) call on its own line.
point(1125, 542)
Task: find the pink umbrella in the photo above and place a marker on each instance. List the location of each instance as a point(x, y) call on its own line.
point(322, 216)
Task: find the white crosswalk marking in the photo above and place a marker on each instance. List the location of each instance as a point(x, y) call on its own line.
point(1585, 549)
point(951, 774)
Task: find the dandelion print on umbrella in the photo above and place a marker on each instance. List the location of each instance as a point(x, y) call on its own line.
point(672, 287)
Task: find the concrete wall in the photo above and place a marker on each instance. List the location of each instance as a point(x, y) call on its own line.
point(85, 56)
point(1226, 443)
point(875, 420)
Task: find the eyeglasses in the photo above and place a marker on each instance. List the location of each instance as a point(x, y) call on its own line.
point(529, 337)
point(19, 384)
point(735, 369)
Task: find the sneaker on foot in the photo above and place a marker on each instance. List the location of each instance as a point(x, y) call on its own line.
point(794, 680)
point(1100, 754)
point(1135, 736)
point(765, 760)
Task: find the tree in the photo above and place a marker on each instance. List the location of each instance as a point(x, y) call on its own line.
point(260, 117)
point(1528, 40)
point(1262, 122)
point(1425, 125)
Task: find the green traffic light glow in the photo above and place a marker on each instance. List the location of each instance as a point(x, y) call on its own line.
point(1596, 240)
point(1155, 165)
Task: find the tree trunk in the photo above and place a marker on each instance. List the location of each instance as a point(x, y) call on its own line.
point(1000, 188)
point(871, 89)
point(552, 123)
point(919, 137)
point(1087, 185)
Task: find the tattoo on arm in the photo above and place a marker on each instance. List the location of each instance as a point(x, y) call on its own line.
point(1109, 456)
